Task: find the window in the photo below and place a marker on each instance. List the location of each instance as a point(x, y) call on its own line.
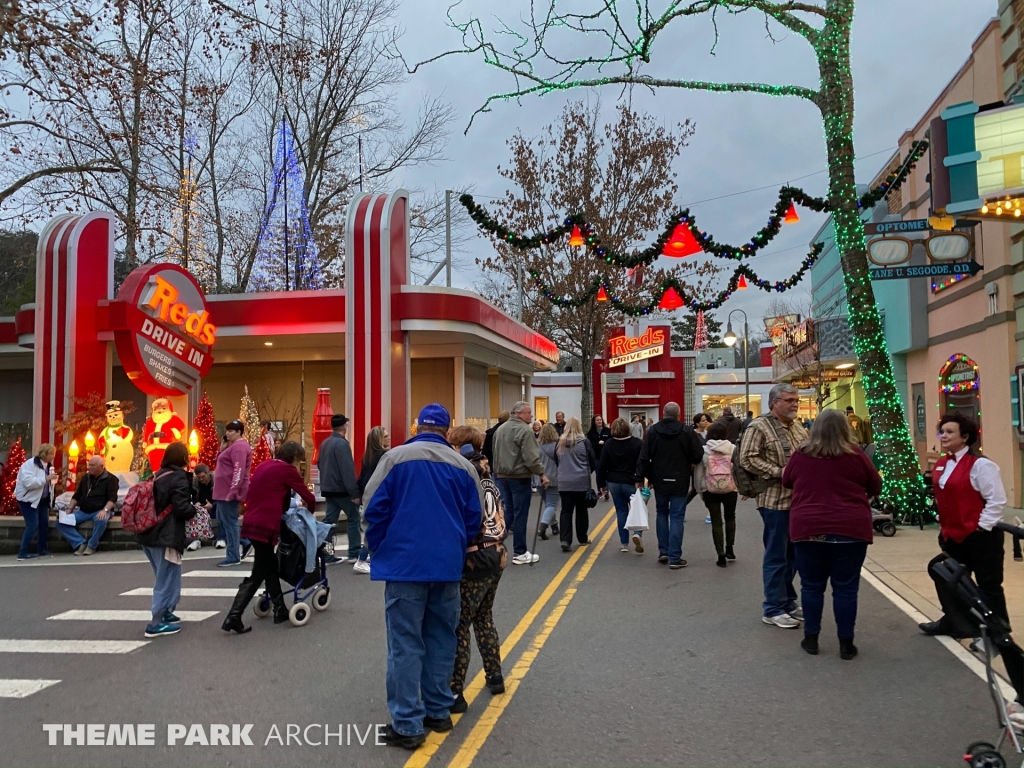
point(540, 409)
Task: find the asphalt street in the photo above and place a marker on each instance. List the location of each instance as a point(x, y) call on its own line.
point(615, 661)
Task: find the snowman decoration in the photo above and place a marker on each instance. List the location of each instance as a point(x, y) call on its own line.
point(115, 441)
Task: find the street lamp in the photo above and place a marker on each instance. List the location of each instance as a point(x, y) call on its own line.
point(730, 340)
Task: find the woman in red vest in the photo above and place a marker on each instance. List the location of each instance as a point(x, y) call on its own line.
point(970, 497)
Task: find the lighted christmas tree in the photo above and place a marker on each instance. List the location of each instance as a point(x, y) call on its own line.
point(187, 246)
point(700, 336)
point(261, 452)
point(286, 256)
point(8, 478)
point(206, 432)
point(249, 415)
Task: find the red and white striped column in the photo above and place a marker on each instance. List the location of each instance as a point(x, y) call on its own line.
point(376, 348)
point(74, 272)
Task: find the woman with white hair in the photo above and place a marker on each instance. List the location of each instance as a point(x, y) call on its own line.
point(33, 490)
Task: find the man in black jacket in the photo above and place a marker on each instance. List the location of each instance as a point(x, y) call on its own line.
point(94, 500)
point(732, 425)
point(339, 484)
point(670, 450)
point(488, 449)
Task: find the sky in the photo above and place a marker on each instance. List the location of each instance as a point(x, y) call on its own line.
point(904, 52)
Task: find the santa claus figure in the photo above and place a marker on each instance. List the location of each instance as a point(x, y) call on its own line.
point(115, 441)
point(163, 427)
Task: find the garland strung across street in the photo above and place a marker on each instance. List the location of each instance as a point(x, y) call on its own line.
point(670, 294)
point(681, 234)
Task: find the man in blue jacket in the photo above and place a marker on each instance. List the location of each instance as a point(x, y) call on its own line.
point(422, 506)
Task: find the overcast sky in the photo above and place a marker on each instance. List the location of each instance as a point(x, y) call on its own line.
point(904, 53)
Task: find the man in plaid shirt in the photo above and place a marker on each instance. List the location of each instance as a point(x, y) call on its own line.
point(765, 449)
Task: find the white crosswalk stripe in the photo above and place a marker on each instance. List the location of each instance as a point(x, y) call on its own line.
point(19, 689)
point(223, 574)
point(71, 646)
point(86, 615)
point(187, 592)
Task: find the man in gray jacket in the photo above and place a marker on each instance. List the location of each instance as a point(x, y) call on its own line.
point(516, 461)
point(338, 484)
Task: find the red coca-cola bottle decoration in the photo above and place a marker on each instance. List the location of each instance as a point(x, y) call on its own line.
point(321, 420)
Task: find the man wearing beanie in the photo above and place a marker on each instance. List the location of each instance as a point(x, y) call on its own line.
point(338, 484)
point(423, 506)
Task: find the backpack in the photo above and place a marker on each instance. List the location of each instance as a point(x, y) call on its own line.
point(718, 476)
point(138, 513)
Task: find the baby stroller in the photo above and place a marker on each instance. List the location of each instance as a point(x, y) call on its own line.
point(995, 639)
point(311, 587)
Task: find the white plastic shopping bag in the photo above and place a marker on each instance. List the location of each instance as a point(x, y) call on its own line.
point(637, 518)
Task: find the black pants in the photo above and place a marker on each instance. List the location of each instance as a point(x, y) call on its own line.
point(574, 501)
point(264, 569)
point(982, 553)
point(716, 502)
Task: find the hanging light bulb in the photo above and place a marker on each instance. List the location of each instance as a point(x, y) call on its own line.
point(576, 238)
point(682, 243)
point(791, 217)
point(741, 283)
point(984, 208)
point(670, 300)
point(602, 294)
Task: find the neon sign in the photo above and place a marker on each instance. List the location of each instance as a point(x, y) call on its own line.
point(630, 349)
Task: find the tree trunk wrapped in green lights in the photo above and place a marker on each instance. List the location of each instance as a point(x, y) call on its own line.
point(629, 37)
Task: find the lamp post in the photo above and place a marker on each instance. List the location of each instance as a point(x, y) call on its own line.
point(730, 340)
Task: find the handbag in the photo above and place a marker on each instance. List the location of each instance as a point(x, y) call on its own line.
point(199, 526)
point(636, 520)
point(591, 498)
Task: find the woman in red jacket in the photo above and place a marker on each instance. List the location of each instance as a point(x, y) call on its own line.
point(270, 490)
point(830, 524)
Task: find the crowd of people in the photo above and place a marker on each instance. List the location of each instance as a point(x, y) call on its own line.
point(438, 510)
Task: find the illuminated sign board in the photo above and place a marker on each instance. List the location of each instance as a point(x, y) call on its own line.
point(162, 329)
point(630, 349)
point(999, 137)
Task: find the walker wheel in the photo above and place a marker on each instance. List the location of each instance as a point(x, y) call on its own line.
point(299, 614)
point(979, 746)
point(321, 598)
point(985, 758)
point(888, 530)
point(262, 606)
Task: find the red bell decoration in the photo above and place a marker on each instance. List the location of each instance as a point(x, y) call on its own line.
point(602, 294)
point(670, 300)
point(741, 284)
point(791, 217)
point(682, 243)
point(576, 238)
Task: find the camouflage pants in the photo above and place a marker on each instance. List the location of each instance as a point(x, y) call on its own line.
point(477, 606)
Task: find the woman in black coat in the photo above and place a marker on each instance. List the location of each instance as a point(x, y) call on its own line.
point(164, 544)
point(598, 436)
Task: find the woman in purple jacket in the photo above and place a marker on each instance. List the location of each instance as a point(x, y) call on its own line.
point(830, 524)
point(230, 485)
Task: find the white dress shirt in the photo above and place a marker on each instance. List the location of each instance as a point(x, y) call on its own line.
point(985, 479)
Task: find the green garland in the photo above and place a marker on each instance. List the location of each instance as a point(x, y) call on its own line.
point(693, 303)
point(708, 244)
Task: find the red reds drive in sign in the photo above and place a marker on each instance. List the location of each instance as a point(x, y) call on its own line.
point(630, 349)
point(162, 330)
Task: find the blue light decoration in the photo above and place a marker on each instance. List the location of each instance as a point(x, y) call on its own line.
point(286, 256)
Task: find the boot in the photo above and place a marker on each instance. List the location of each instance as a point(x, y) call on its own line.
point(280, 611)
point(233, 621)
point(554, 529)
point(810, 643)
point(729, 554)
point(847, 650)
point(542, 532)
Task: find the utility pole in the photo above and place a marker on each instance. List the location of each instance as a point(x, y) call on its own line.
point(448, 235)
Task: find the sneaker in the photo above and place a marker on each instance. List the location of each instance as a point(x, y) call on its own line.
point(334, 560)
point(194, 545)
point(623, 548)
point(438, 724)
point(460, 705)
point(170, 618)
point(496, 685)
point(525, 559)
point(638, 543)
point(675, 565)
point(89, 551)
point(221, 544)
point(708, 519)
point(797, 613)
point(161, 629)
point(783, 620)
point(228, 563)
point(663, 559)
point(29, 556)
point(81, 548)
point(246, 551)
point(361, 566)
point(395, 739)
point(566, 547)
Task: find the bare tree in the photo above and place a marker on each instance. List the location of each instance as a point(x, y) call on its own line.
point(620, 177)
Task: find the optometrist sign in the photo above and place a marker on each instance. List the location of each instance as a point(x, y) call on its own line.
point(162, 329)
point(630, 349)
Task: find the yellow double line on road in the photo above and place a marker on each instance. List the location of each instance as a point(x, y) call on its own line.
point(496, 706)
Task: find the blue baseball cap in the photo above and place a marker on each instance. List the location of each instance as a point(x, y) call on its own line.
point(467, 450)
point(434, 415)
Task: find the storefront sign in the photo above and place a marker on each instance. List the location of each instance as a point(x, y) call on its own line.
point(892, 227)
point(627, 349)
point(930, 270)
point(162, 329)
